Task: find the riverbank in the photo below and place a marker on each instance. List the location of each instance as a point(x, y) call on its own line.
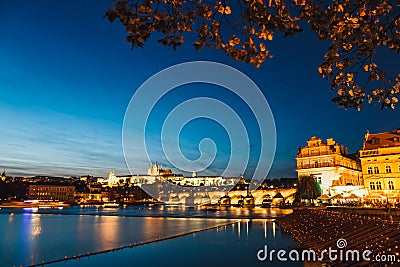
point(33, 204)
point(320, 229)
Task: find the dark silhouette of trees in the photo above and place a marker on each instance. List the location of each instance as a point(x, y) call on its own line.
point(308, 188)
point(243, 29)
point(15, 190)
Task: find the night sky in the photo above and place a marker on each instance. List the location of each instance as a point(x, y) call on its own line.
point(67, 76)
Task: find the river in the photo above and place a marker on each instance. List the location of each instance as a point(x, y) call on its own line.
point(233, 238)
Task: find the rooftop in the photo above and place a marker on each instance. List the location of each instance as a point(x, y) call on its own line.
point(379, 140)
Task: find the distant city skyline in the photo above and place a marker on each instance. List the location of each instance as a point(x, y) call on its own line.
point(66, 82)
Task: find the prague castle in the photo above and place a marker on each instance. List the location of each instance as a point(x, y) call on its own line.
point(155, 173)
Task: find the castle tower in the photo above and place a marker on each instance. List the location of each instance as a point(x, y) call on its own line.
point(112, 179)
point(153, 169)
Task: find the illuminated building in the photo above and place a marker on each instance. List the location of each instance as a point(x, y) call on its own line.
point(63, 193)
point(3, 175)
point(157, 170)
point(117, 180)
point(155, 173)
point(380, 160)
point(330, 164)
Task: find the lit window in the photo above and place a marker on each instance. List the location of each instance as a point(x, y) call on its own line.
point(369, 170)
point(388, 169)
point(375, 140)
point(372, 185)
point(376, 170)
point(378, 185)
point(391, 185)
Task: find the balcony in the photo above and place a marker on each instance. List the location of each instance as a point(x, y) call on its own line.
point(326, 164)
point(319, 165)
point(369, 153)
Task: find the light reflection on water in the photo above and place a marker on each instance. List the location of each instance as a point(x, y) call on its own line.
point(29, 238)
point(225, 246)
point(169, 211)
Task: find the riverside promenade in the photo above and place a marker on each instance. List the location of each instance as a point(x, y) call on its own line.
point(319, 229)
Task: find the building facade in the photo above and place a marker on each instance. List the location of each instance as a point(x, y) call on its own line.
point(330, 164)
point(380, 159)
point(63, 193)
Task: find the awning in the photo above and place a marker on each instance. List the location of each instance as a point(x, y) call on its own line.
point(323, 197)
point(338, 196)
point(352, 196)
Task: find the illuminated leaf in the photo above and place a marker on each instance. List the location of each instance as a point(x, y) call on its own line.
point(353, 30)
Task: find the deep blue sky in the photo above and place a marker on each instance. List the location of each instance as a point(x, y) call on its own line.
point(67, 76)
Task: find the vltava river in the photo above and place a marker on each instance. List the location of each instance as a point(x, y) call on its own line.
point(29, 237)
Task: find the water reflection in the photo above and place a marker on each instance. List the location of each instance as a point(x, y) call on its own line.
point(217, 247)
point(273, 229)
point(31, 225)
point(107, 228)
point(238, 229)
point(247, 229)
point(265, 229)
point(31, 230)
point(31, 238)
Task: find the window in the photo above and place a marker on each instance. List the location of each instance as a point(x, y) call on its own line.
point(316, 164)
point(372, 185)
point(369, 170)
point(388, 169)
point(378, 185)
point(318, 179)
point(391, 185)
point(376, 169)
